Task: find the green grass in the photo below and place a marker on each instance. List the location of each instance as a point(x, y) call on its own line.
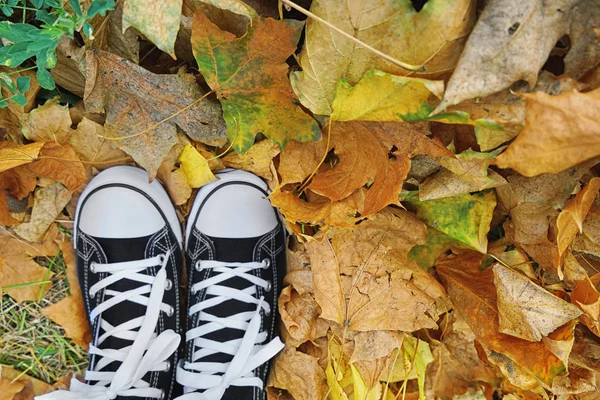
point(32, 343)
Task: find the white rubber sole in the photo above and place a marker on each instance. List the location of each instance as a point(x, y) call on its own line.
point(137, 178)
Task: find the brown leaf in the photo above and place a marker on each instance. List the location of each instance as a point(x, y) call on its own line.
point(474, 297)
point(69, 312)
point(526, 310)
point(560, 132)
point(299, 374)
point(174, 178)
point(70, 66)
point(53, 122)
point(19, 267)
point(300, 315)
point(32, 387)
point(256, 160)
point(9, 389)
point(364, 279)
point(48, 204)
point(59, 163)
point(371, 345)
point(135, 99)
point(586, 297)
point(19, 181)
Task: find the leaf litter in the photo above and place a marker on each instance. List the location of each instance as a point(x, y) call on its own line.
point(435, 163)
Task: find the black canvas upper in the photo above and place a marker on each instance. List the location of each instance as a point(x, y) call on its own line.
point(202, 247)
point(102, 250)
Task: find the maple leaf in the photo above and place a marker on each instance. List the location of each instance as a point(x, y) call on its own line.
point(249, 75)
point(512, 41)
point(473, 295)
point(257, 160)
point(160, 31)
point(135, 99)
point(300, 315)
point(560, 132)
point(432, 37)
point(387, 291)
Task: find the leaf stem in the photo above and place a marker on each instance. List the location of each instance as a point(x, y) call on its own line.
point(410, 67)
point(22, 70)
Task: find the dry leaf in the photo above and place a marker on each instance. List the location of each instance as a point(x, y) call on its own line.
point(299, 314)
point(511, 41)
point(195, 167)
point(160, 31)
point(48, 204)
point(249, 75)
point(59, 163)
point(172, 177)
point(474, 297)
point(256, 160)
point(70, 66)
point(12, 154)
point(135, 100)
point(8, 388)
point(433, 37)
point(9, 116)
point(299, 374)
point(526, 310)
point(69, 312)
point(586, 297)
point(371, 345)
point(560, 132)
point(19, 267)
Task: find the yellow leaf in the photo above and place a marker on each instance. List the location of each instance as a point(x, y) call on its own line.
point(13, 155)
point(195, 167)
point(420, 355)
point(361, 391)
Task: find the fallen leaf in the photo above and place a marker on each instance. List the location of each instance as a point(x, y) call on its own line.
point(467, 173)
point(256, 160)
point(32, 386)
point(474, 297)
point(9, 389)
point(419, 354)
point(432, 37)
point(299, 314)
point(511, 41)
point(110, 36)
point(363, 280)
point(48, 204)
point(12, 154)
point(380, 96)
point(584, 35)
point(249, 75)
point(371, 345)
point(162, 31)
point(174, 178)
point(135, 100)
point(465, 218)
point(69, 71)
point(437, 244)
point(526, 310)
point(299, 374)
point(53, 122)
point(59, 163)
point(588, 242)
point(19, 268)
point(195, 167)
point(69, 312)
point(560, 132)
point(361, 389)
point(586, 297)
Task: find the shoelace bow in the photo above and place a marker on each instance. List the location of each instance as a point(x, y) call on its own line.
point(248, 353)
point(148, 352)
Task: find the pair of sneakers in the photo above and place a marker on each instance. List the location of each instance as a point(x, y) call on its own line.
point(130, 251)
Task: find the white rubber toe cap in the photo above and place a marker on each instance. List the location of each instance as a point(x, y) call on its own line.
point(235, 206)
point(120, 203)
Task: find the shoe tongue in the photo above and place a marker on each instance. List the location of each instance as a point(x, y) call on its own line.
point(122, 250)
point(231, 250)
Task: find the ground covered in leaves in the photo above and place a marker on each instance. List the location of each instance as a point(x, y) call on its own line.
point(435, 161)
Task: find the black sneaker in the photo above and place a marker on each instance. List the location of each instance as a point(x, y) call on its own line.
point(235, 253)
point(129, 259)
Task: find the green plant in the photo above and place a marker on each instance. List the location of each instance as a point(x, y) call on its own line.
point(22, 41)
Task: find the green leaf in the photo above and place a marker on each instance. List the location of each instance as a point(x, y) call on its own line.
point(19, 99)
point(250, 77)
point(418, 354)
point(3, 103)
point(7, 81)
point(465, 218)
point(437, 244)
point(100, 7)
point(76, 7)
point(23, 83)
point(45, 79)
point(37, 3)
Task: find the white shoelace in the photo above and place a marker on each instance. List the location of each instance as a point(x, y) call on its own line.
point(248, 353)
point(148, 352)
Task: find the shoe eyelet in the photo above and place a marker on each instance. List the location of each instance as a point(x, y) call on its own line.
point(162, 258)
point(162, 395)
point(266, 263)
point(198, 266)
point(269, 286)
point(168, 284)
point(93, 267)
point(91, 295)
point(168, 367)
point(170, 311)
point(268, 311)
